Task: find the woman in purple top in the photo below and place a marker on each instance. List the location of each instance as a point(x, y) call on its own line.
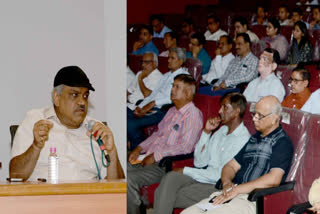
point(275, 40)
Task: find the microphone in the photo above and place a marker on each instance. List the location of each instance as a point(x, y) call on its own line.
point(99, 141)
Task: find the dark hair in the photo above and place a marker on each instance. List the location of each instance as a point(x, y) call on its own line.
point(305, 38)
point(245, 37)
point(297, 10)
point(242, 20)
point(157, 16)
point(148, 28)
point(263, 7)
point(275, 55)
point(216, 18)
point(200, 37)
point(304, 73)
point(173, 35)
point(316, 7)
point(187, 79)
point(275, 23)
point(285, 7)
point(189, 21)
point(237, 100)
point(229, 39)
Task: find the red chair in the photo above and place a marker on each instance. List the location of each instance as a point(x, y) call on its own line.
point(210, 47)
point(158, 42)
point(314, 77)
point(286, 31)
point(259, 30)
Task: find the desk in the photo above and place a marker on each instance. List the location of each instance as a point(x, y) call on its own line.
point(93, 197)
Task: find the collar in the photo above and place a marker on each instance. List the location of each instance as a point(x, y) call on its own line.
point(305, 93)
point(185, 108)
point(50, 113)
point(271, 134)
point(237, 132)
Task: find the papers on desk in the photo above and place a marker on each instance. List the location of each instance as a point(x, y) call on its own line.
point(207, 206)
point(139, 159)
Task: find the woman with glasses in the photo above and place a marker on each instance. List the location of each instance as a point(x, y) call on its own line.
point(301, 49)
point(300, 92)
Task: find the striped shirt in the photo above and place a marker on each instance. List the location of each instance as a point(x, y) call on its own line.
point(177, 133)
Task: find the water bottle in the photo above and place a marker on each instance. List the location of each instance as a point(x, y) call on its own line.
point(53, 169)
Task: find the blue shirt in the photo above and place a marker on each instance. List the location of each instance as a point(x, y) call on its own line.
point(205, 59)
point(149, 47)
point(164, 30)
point(261, 154)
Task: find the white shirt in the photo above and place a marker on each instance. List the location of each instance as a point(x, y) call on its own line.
point(164, 53)
point(130, 77)
point(151, 81)
point(164, 30)
point(218, 67)
point(73, 147)
point(313, 103)
point(253, 37)
point(218, 150)
point(161, 94)
point(258, 88)
point(214, 36)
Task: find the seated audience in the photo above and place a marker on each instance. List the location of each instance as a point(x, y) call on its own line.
point(275, 40)
point(301, 49)
point(188, 27)
point(314, 196)
point(267, 83)
point(159, 29)
point(144, 44)
point(313, 103)
point(149, 111)
point(261, 163)
point(170, 40)
point(197, 51)
point(315, 23)
point(214, 32)
point(261, 17)
point(184, 187)
point(63, 126)
point(284, 15)
point(306, 2)
point(241, 26)
point(177, 134)
point(223, 58)
point(297, 15)
point(241, 69)
point(300, 92)
point(145, 81)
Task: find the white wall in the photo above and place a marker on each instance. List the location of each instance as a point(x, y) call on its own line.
point(37, 38)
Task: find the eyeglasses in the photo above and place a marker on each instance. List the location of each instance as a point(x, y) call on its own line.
point(259, 116)
point(146, 61)
point(294, 80)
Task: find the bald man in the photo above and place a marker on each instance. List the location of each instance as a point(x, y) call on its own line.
point(262, 163)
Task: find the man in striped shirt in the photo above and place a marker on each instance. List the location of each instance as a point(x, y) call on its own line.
point(177, 134)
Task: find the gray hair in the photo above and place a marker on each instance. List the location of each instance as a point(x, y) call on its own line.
point(155, 57)
point(181, 53)
point(277, 109)
point(59, 89)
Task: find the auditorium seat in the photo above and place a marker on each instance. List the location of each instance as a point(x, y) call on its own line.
point(314, 77)
point(210, 47)
point(259, 30)
point(158, 42)
point(286, 31)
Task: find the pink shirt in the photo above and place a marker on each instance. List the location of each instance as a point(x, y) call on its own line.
point(178, 132)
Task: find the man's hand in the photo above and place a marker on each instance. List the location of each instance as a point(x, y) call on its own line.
point(148, 160)
point(143, 74)
point(179, 170)
point(315, 208)
point(137, 45)
point(195, 51)
point(133, 156)
point(211, 124)
point(218, 51)
point(140, 112)
point(220, 199)
point(222, 85)
point(41, 132)
point(103, 132)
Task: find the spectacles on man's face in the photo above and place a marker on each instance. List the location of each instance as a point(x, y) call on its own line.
point(146, 61)
point(259, 116)
point(295, 81)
